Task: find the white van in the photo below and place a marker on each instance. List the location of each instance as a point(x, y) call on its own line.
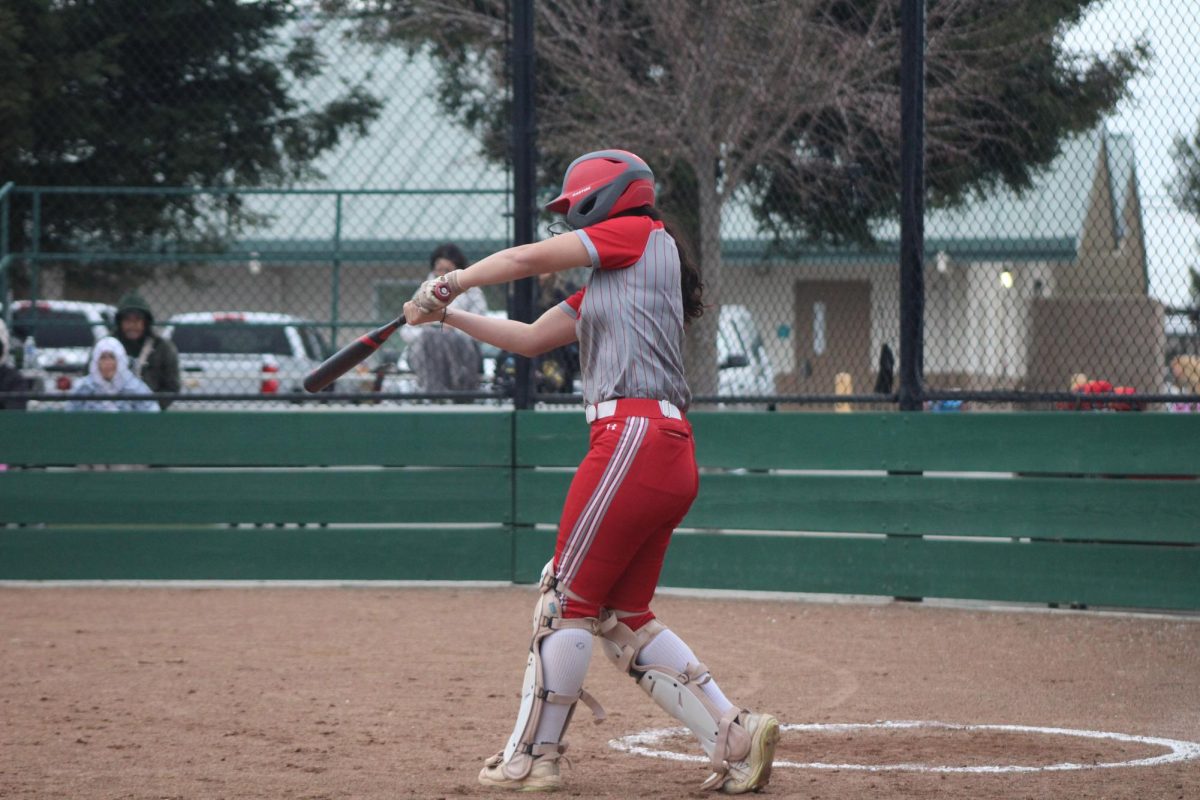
point(744, 368)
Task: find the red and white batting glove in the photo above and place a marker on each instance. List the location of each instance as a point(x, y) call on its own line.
point(434, 295)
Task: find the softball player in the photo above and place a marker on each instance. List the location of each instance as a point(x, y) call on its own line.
point(634, 486)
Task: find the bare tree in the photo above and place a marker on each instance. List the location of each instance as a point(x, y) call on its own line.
point(727, 92)
point(793, 102)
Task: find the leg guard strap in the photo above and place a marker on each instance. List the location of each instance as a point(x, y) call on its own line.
point(723, 745)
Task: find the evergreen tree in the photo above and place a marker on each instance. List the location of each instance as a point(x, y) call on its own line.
point(169, 93)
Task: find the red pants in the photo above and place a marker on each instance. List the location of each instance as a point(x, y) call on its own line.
point(632, 490)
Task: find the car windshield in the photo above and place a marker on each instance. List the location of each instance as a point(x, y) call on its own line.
point(53, 328)
point(231, 338)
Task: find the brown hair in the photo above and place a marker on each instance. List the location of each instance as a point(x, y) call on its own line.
point(691, 285)
point(451, 253)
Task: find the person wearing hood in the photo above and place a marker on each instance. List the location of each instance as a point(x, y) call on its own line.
point(154, 359)
point(11, 379)
point(109, 374)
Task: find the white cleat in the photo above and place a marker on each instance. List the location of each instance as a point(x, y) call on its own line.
point(755, 772)
point(542, 776)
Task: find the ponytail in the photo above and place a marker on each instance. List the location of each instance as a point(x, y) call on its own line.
point(691, 286)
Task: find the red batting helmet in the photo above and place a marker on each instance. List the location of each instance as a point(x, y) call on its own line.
point(600, 184)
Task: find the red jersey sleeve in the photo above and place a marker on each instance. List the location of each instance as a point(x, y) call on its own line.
point(573, 303)
point(617, 243)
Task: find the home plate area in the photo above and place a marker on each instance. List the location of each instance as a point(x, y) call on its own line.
point(931, 746)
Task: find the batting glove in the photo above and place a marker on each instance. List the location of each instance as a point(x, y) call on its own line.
point(436, 294)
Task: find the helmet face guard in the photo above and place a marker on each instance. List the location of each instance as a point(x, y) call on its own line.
point(603, 183)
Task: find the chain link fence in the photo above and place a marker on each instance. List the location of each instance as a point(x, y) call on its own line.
point(253, 314)
point(1061, 229)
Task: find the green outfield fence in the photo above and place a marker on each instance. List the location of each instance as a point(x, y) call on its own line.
point(1084, 510)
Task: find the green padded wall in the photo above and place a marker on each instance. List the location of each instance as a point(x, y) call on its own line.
point(1044, 507)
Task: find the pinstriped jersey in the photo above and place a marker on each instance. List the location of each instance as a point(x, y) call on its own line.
point(629, 315)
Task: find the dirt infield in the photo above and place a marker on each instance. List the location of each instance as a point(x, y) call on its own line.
point(401, 692)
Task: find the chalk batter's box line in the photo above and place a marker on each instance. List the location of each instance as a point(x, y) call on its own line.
point(645, 742)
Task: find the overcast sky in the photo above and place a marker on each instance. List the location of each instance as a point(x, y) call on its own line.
point(1165, 104)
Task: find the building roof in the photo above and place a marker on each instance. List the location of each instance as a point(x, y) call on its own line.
point(444, 188)
point(428, 182)
point(1044, 222)
point(1054, 207)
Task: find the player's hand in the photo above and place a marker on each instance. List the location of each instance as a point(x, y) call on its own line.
point(437, 293)
point(431, 296)
point(414, 315)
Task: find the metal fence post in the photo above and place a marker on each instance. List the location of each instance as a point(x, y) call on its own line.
point(5, 209)
point(524, 174)
point(337, 272)
point(912, 202)
point(35, 263)
point(912, 215)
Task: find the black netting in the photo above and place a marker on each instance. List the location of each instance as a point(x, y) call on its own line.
point(304, 160)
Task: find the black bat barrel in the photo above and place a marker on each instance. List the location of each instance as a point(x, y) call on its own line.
point(349, 356)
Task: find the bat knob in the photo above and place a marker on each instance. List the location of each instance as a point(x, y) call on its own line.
point(442, 292)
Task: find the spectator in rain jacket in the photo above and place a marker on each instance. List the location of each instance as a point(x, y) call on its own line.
point(109, 374)
point(153, 359)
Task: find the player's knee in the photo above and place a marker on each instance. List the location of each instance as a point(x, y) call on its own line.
point(568, 603)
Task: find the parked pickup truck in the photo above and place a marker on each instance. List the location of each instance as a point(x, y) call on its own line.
point(63, 332)
point(244, 352)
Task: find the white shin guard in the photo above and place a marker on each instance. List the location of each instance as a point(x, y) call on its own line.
point(522, 748)
point(679, 693)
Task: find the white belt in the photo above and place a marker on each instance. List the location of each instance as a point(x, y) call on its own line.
point(606, 408)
